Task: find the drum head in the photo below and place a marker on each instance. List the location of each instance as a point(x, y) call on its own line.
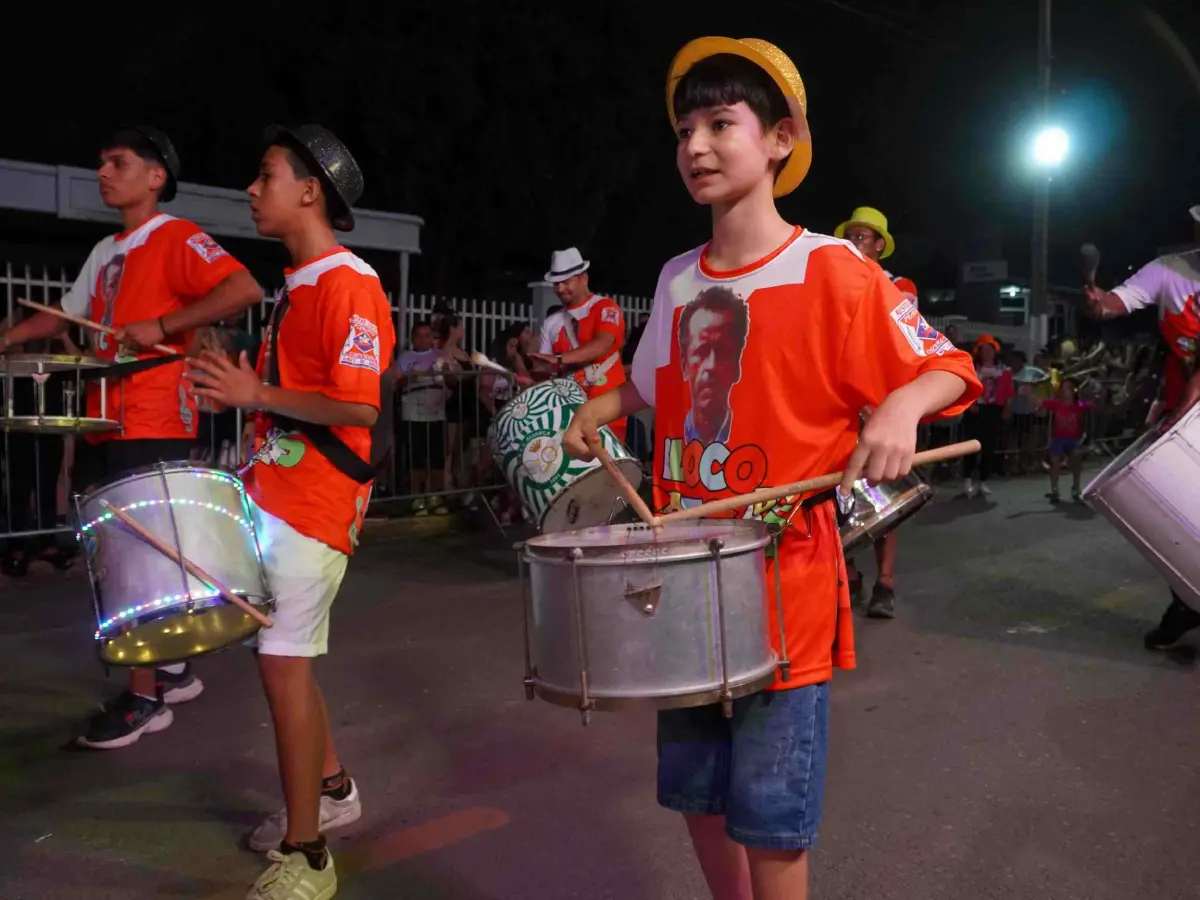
point(1132, 452)
point(26, 364)
point(58, 425)
point(676, 540)
point(179, 636)
point(590, 500)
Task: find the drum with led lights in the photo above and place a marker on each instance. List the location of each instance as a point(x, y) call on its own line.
point(149, 609)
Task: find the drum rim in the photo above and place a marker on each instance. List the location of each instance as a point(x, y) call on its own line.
point(892, 519)
point(559, 554)
point(753, 684)
point(114, 424)
point(623, 463)
point(155, 469)
point(66, 359)
point(1148, 439)
point(265, 605)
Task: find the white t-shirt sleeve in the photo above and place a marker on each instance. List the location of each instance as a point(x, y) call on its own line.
point(1144, 287)
point(654, 349)
point(78, 300)
point(549, 327)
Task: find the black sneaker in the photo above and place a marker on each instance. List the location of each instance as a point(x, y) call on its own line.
point(883, 602)
point(1177, 621)
point(124, 720)
point(1053, 497)
point(856, 588)
point(178, 688)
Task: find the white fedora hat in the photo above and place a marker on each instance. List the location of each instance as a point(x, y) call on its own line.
point(566, 263)
point(1195, 211)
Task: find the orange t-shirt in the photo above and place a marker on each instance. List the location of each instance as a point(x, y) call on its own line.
point(336, 339)
point(568, 329)
point(158, 268)
point(757, 378)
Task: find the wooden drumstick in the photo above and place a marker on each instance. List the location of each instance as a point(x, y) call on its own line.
point(87, 323)
point(631, 496)
point(150, 538)
point(824, 482)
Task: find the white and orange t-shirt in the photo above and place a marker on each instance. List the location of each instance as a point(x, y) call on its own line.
point(569, 329)
point(336, 339)
point(757, 378)
point(157, 268)
point(906, 286)
point(1173, 284)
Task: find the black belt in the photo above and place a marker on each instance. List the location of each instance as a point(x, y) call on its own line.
point(817, 499)
point(122, 370)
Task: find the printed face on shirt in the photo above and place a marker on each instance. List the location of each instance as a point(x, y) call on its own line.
point(724, 152)
point(279, 194)
point(574, 290)
point(126, 179)
point(712, 335)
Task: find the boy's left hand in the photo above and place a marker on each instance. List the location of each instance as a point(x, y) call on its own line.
point(886, 445)
point(218, 378)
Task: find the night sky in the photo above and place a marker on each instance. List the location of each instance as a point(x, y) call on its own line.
point(514, 128)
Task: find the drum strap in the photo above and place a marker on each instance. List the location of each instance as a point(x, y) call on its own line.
point(322, 437)
point(817, 499)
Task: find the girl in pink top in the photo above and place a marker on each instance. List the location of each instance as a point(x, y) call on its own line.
point(1066, 434)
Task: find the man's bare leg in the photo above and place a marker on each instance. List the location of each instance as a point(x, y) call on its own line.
point(723, 862)
point(885, 560)
point(778, 874)
point(332, 764)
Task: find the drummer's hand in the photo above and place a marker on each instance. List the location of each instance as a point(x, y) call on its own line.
point(523, 380)
point(216, 377)
point(886, 444)
point(141, 335)
point(581, 435)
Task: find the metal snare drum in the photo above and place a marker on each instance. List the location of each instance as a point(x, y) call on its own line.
point(880, 508)
point(54, 398)
point(1151, 493)
point(560, 492)
point(616, 615)
point(149, 611)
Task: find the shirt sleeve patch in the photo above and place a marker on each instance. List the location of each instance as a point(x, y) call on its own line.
point(611, 315)
point(924, 339)
point(206, 248)
point(361, 350)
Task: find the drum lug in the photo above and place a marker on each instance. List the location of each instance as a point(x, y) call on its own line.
point(644, 600)
point(785, 664)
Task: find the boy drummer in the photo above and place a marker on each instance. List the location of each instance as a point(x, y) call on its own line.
point(318, 386)
point(761, 350)
point(156, 281)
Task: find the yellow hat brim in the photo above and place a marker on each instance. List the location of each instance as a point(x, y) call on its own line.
point(783, 72)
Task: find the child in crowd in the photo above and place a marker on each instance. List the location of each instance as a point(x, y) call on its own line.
point(1066, 434)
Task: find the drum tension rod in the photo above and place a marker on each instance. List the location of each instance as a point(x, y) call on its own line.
point(785, 664)
point(519, 547)
point(715, 546)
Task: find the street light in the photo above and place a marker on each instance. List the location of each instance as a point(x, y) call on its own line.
point(1050, 147)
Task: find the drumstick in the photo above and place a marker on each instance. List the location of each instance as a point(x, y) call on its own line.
point(87, 323)
point(485, 362)
point(762, 495)
point(193, 569)
point(631, 496)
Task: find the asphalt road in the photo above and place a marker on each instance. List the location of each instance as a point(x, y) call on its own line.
point(1006, 736)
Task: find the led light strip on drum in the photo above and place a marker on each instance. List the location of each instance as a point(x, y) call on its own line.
point(168, 601)
point(175, 501)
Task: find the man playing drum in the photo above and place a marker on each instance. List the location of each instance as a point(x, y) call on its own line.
point(583, 338)
point(1172, 283)
point(827, 333)
point(867, 229)
point(323, 390)
point(156, 281)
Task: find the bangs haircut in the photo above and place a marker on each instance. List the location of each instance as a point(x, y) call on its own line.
point(726, 80)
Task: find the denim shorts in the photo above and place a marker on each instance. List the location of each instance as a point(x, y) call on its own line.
point(1063, 446)
point(763, 770)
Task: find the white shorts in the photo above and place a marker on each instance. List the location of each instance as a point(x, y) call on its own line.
point(304, 576)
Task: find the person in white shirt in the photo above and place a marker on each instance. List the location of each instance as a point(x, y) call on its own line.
point(422, 425)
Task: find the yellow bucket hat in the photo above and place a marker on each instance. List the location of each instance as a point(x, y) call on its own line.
point(783, 72)
point(873, 219)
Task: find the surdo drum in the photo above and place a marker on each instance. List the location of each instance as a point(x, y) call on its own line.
point(617, 615)
point(57, 396)
point(149, 609)
point(1151, 493)
point(560, 492)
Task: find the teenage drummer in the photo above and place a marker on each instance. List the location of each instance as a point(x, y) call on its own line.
point(867, 229)
point(320, 383)
point(750, 787)
point(1172, 283)
point(583, 339)
point(154, 281)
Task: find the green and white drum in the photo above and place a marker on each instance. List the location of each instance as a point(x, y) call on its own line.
point(560, 493)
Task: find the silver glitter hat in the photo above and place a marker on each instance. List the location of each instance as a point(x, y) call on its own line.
point(337, 169)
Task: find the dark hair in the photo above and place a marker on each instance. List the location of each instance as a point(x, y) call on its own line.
point(297, 162)
point(141, 146)
point(717, 299)
point(422, 323)
point(725, 80)
point(443, 323)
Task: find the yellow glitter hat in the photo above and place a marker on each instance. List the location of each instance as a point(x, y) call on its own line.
point(782, 70)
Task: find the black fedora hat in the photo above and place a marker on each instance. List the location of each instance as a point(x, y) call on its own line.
point(335, 166)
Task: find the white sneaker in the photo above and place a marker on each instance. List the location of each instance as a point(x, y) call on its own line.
point(969, 488)
point(334, 814)
point(984, 489)
point(291, 878)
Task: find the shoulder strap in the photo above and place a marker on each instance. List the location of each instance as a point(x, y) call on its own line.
point(322, 437)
